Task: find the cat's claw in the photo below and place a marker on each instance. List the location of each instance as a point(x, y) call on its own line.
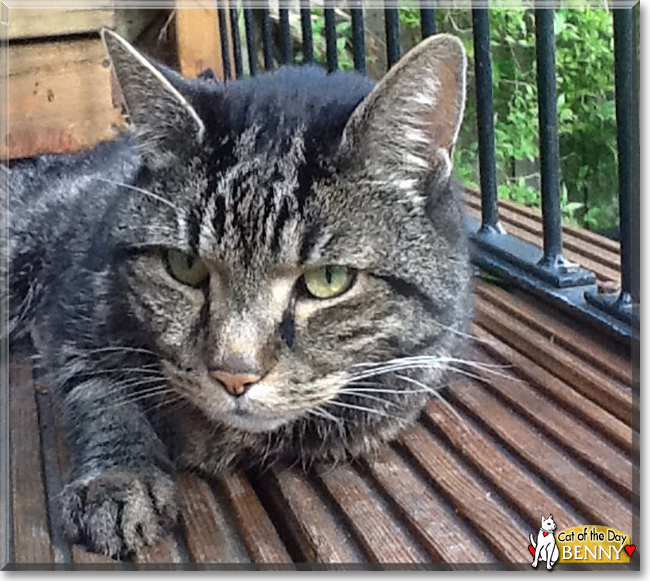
point(119, 512)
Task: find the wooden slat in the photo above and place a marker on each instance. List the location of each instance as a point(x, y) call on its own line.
point(603, 390)
point(582, 407)
point(39, 22)
point(165, 554)
point(471, 499)
point(59, 98)
point(510, 479)
point(585, 444)
point(426, 514)
point(210, 537)
point(259, 534)
point(198, 38)
point(31, 537)
point(383, 539)
point(598, 354)
point(303, 515)
point(552, 464)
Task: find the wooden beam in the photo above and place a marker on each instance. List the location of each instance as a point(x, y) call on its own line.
point(40, 22)
point(199, 39)
point(59, 97)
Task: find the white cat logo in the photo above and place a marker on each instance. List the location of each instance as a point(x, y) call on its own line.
point(545, 547)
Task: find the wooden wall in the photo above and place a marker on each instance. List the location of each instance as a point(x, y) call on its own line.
point(61, 95)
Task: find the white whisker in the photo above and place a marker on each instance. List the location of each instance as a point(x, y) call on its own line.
point(139, 190)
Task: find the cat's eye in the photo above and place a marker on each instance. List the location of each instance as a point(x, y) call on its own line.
point(328, 282)
point(186, 268)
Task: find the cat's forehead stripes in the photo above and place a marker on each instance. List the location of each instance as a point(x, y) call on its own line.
point(254, 210)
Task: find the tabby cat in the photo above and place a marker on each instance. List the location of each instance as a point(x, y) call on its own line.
point(271, 269)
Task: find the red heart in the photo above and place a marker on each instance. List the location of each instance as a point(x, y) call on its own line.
point(629, 549)
point(532, 551)
point(545, 534)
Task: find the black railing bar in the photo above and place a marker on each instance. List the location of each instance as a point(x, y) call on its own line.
point(636, 161)
point(623, 55)
point(223, 40)
point(393, 44)
point(485, 120)
point(549, 149)
point(330, 36)
point(286, 43)
point(427, 18)
point(236, 40)
point(307, 33)
point(358, 36)
point(267, 38)
point(251, 44)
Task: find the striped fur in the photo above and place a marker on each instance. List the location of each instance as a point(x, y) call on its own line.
point(263, 179)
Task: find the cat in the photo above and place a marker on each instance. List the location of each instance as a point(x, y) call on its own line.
point(272, 269)
point(545, 547)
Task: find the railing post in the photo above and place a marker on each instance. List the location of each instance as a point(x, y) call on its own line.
point(223, 37)
point(251, 45)
point(358, 36)
point(330, 36)
point(623, 59)
point(286, 47)
point(393, 44)
point(548, 137)
point(267, 39)
point(485, 122)
point(427, 18)
point(307, 35)
point(236, 41)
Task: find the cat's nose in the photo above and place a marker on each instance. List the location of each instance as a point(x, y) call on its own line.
point(235, 383)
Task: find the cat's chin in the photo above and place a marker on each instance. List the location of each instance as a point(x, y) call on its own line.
point(251, 422)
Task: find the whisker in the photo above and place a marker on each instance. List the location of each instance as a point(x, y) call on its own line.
point(140, 191)
point(359, 408)
point(433, 392)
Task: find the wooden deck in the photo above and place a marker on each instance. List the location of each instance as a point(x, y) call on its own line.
point(547, 431)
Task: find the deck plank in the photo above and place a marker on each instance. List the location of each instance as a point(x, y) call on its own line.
point(603, 390)
point(561, 393)
point(585, 444)
point(471, 498)
point(505, 475)
point(31, 537)
point(426, 513)
point(551, 463)
point(210, 537)
point(303, 515)
point(383, 539)
point(599, 355)
point(259, 534)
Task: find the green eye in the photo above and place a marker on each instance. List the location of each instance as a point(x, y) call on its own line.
point(186, 268)
point(328, 281)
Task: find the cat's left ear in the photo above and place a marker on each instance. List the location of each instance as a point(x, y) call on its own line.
point(406, 128)
point(166, 124)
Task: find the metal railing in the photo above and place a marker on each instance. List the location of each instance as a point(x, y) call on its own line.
point(544, 272)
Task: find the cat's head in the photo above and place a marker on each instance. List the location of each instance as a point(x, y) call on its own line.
point(548, 524)
point(295, 249)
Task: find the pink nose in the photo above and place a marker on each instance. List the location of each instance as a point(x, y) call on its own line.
point(235, 383)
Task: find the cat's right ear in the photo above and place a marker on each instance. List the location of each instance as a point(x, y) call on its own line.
point(165, 122)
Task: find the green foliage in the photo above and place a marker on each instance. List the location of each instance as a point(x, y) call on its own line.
point(585, 89)
point(587, 122)
point(585, 103)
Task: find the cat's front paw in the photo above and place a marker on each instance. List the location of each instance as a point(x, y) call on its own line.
point(120, 511)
